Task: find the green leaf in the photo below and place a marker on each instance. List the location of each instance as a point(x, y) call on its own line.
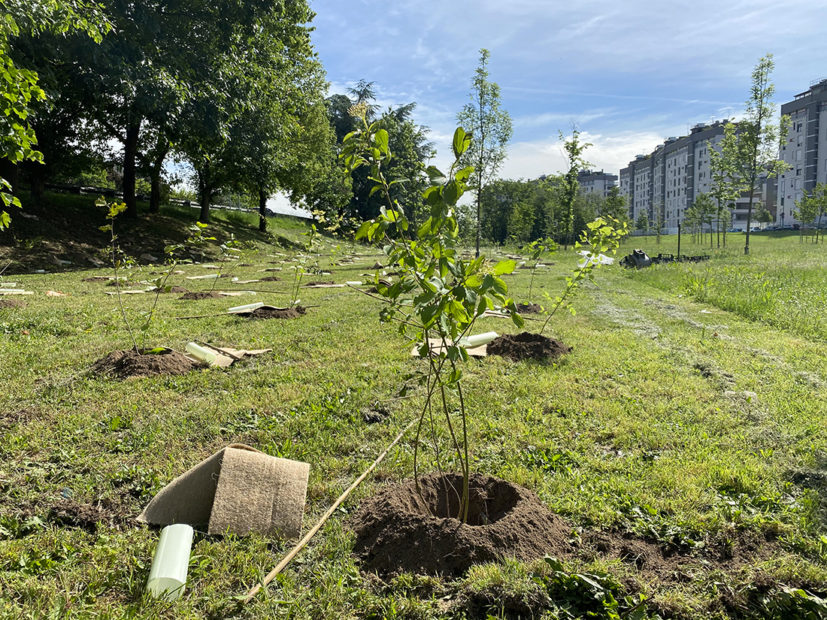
point(460, 144)
point(504, 266)
point(381, 140)
point(435, 175)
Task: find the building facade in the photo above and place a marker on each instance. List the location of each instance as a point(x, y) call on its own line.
point(666, 182)
point(596, 182)
point(804, 150)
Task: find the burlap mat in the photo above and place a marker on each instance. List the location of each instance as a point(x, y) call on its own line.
point(238, 490)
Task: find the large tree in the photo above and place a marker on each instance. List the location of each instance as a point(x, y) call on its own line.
point(759, 136)
point(19, 89)
point(490, 128)
point(408, 142)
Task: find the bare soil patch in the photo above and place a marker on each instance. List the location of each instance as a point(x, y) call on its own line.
point(12, 303)
point(526, 345)
point(278, 313)
point(401, 530)
point(200, 295)
point(529, 308)
point(270, 279)
point(129, 363)
point(317, 282)
point(68, 513)
point(21, 416)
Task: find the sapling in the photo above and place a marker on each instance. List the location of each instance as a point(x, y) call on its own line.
point(601, 236)
point(119, 259)
point(227, 249)
point(438, 296)
point(536, 250)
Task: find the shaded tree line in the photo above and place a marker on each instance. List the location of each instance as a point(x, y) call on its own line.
point(522, 211)
point(231, 87)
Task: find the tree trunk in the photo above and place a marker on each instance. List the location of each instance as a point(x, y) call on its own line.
point(130, 153)
point(155, 181)
point(262, 210)
point(204, 191)
point(38, 180)
point(205, 196)
point(749, 209)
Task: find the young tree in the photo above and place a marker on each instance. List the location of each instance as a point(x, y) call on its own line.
point(642, 222)
point(659, 220)
point(726, 185)
point(812, 207)
point(571, 186)
point(706, 209)
point(490, 127)
point(758, 137)
point(614, 206)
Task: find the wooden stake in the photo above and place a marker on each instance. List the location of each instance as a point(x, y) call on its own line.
point(303, 542)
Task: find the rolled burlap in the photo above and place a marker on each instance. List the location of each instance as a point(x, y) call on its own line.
point(237, 490)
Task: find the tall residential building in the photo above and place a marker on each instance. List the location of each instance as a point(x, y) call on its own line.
point(804, 150)
point(596, 182)
point(669, 179)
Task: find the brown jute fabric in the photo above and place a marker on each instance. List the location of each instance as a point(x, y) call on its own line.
point(239, 490)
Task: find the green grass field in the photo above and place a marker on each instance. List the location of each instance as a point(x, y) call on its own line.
point(691, 414)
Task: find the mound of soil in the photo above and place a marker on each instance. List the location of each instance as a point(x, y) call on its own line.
point(178, 289)
point(320, 282)
point(270, 279)
point(201, 295)
point(529, 308)
point(11, 303)
point(401, 530)
point(278, 313)
point(526, 345)
point(126, 364)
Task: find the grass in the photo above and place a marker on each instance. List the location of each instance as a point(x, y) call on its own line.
point(676, 418)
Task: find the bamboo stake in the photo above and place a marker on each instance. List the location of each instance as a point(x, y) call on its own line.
point(303, 542)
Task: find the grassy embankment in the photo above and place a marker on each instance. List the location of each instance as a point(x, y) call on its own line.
point(646, 428)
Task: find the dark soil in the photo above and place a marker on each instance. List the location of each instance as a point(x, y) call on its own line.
point(20, 416)
point(201, 295)
point(526, 345)
point(529, 308)
point(400, 530)
point(270, 279)
point(12, 303)
point(97, 279)
point(320, 282)
point(378, 265)
point(277, 313)
point(178, 289)
point(127, 364)
point(68, 513)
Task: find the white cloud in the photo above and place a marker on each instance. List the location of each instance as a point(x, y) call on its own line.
point(529, 160)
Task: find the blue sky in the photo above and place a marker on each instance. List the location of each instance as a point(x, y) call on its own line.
point(627, 73)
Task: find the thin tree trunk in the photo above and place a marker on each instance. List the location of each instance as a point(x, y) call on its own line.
point(204, 192)
point(130, 153)
point(262, 210)
point(749, 209)
point(155, 181)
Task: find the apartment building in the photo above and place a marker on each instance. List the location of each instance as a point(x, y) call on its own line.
point(804, 150)
point(667, 180)
point(596, 182)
